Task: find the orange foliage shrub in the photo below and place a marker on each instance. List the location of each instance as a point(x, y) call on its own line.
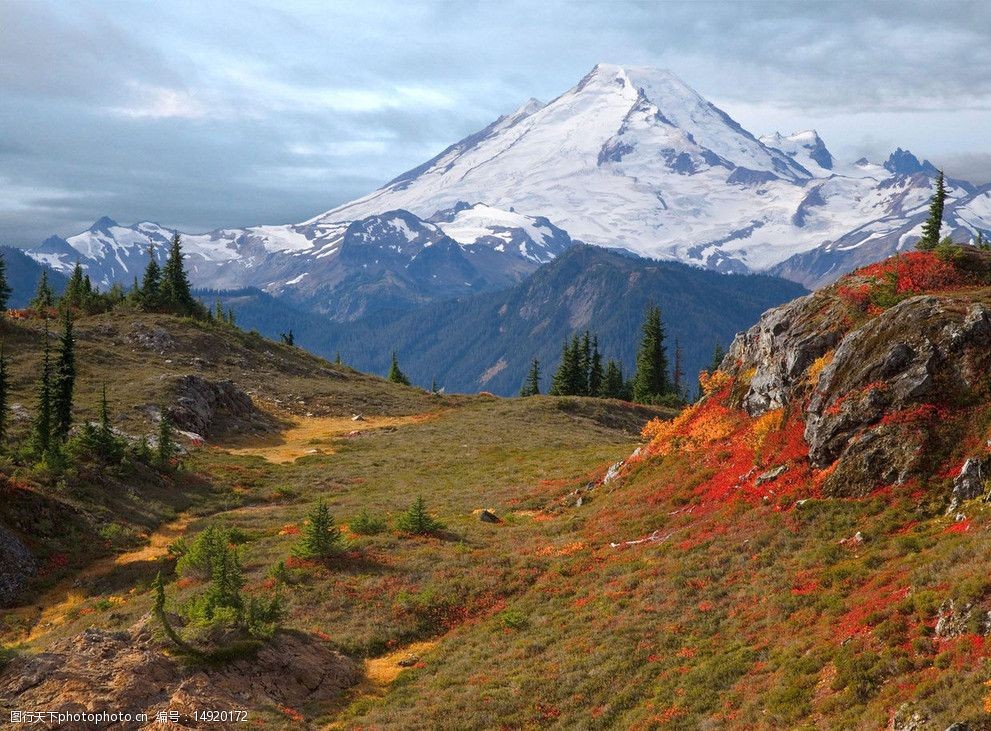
point(764, 425)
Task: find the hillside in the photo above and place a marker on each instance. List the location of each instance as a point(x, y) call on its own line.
point(804, 547)
point(487, 342)
point(81, 548)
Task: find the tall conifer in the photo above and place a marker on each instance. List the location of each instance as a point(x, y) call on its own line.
point(531, 386)
point(41, 435)
point(930, 229)
point(44, 298)
point(651, 380)
point(63, 383)
point(4, 286)
point(595, 374)
point(151, 283)
point(176, 295)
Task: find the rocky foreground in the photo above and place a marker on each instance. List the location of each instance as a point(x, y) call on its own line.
point(131, 672)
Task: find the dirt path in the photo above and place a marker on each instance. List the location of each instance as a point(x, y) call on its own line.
point(380, 672)
point(52, 608)
point(316, 434)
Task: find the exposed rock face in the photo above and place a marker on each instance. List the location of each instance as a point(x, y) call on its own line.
point(969, 483)
point(214, 408)
point(779, 349)
point(867, 410)
point(925, 350)
point(954, 620)
point(100, 671)
point(16, 566)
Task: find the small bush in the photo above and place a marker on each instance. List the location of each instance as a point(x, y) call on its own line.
point(417, 521)
point(321, 537)
point(199, 559)
point(514, 619)
point(365, 524)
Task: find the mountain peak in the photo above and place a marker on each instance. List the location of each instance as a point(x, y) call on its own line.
point(103, 223)
point(806, 148)
point(903, 162)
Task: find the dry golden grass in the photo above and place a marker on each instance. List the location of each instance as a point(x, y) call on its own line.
point(56, 606)
point(315, 435)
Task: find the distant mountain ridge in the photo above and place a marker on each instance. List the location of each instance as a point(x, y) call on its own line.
point(486, 341)
point(628, 158)
point(387, 261)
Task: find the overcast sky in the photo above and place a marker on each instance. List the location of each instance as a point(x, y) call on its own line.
point(202, 115)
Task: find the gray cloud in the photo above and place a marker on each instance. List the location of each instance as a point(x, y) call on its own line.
point(202, 115)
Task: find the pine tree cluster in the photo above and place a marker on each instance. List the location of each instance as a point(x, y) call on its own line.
point(581, 372)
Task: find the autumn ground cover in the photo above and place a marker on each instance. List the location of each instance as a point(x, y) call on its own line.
point(705, 587)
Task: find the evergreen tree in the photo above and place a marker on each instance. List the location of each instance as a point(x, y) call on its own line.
point(981, 242)
point(4, 386)
point(150, 294)
point(930, 229)
point(584, 365)
point(417, 521)
point(231, 320)
point(226, 582)
point(651, 380)
point(718, 353)
point(218, 312)
point(565, 377)
point(41, 435)
point(395, 374)
point(176, 295)
point(288, 338)
point(4, 286)
point(109, 447)
point(75, 290)
point(43, 299)
point(531, 386)
point(613, 385)
point(64, 383)
point(166, 438)
point(337, 358)
point(321, 538)
point(595, 374)
point(677, 375)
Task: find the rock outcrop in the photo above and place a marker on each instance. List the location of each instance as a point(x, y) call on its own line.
point(100, 671)
point(872, 385)
point(216, 408)
point(777, 352)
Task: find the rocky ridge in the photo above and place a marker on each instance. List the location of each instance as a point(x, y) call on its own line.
point(876, 363)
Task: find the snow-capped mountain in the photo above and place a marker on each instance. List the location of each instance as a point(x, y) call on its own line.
point(634, 158)
point(343, 269)
point(806, 148)
point(629, 157)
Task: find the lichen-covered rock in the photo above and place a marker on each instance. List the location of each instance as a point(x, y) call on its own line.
point(213, 408)
point(775, 354)
point(923, 353)
point(969, 484)
point(870, 387)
